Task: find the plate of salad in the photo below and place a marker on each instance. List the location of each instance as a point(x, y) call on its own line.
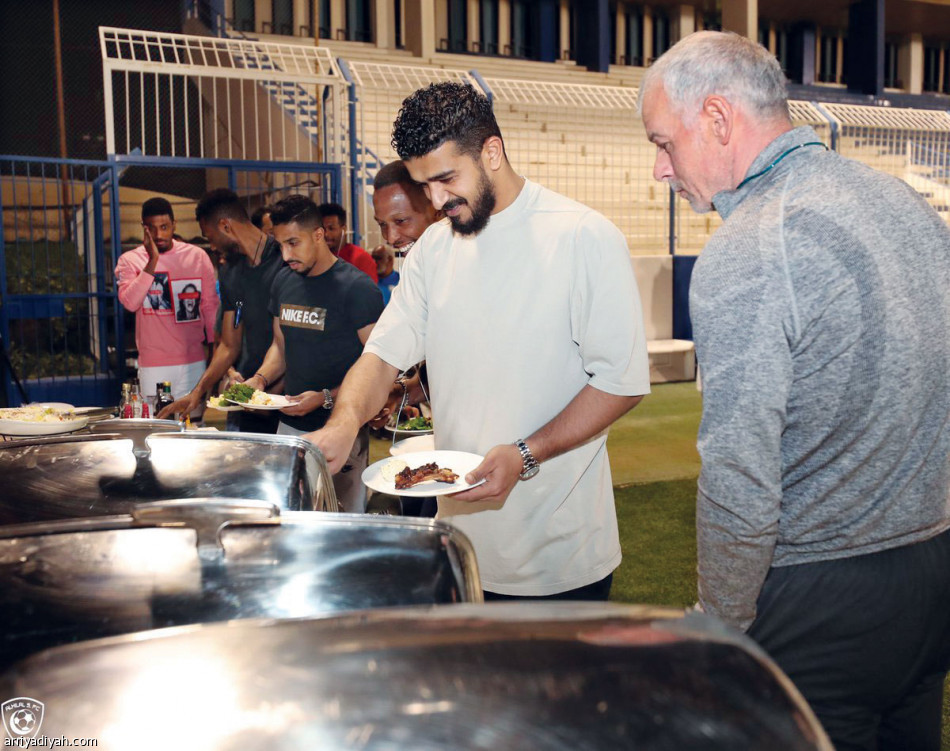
point(233, 392)
point(246, 397)
point(413, 426)
point(221, 403)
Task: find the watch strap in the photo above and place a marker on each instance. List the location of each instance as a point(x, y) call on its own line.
point(529, 465)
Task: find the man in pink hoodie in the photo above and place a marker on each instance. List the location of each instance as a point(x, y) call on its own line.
point(156, 279)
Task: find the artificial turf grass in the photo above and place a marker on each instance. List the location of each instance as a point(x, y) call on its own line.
point(658, 539)
point(657, 439)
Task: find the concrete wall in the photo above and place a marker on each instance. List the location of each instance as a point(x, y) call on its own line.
point(655, 279)
point(670, 359)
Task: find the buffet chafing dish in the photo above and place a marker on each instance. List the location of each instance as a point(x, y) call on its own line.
point(107, 473)
point(136, 428)
point(200, 560)
point(554, 676)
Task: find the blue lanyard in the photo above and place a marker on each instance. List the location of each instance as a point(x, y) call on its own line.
point(779, 159)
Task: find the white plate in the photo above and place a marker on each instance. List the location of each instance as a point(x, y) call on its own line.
point(279, 402)
point(416, 443)
point(58, 406)
point(460, 462)
point(23, 427)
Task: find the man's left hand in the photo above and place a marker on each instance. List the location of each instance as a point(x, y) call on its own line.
point(304, 404)
point(500, 469)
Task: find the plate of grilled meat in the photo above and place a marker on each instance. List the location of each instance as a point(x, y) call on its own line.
point(422, 473)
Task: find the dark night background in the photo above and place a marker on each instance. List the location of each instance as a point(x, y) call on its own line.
point(28, 123)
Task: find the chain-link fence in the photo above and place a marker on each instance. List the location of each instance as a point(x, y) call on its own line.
point(587, 142)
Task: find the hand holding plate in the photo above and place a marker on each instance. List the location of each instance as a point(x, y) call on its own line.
point(499, 470)
point(303, 404)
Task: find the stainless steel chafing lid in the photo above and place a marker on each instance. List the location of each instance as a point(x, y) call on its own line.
point(543, 676)
point(106, 473)
point(201, 560)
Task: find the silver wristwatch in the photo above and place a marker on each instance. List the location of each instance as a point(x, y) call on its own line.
point(530, 466)
point(327, 399)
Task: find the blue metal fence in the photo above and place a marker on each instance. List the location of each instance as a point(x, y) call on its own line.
point(57, 318)
point(64, 225)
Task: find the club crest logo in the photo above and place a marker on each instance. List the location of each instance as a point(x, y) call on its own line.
point(22, 717)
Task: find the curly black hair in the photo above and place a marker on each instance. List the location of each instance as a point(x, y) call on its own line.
point(296, 208)
point(157, 207)
point(445, 111)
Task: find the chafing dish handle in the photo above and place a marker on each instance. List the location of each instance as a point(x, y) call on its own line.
point(207, 516)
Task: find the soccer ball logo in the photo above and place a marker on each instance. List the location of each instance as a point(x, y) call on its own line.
point(22, 721)
point(22, 716)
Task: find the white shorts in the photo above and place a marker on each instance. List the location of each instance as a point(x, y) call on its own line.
point(183, 379)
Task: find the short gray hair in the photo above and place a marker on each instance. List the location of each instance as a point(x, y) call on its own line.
point(717, 62)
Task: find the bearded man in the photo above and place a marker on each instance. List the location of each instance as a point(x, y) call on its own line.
point(525, 307)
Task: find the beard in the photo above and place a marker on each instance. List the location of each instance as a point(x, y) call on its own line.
point(231, 253)
point(481, 209)
point(697, 204)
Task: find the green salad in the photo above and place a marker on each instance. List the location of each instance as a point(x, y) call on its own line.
point(416, 423)
point(238, 392)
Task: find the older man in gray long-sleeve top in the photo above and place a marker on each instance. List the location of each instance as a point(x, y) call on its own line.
point(821, 314)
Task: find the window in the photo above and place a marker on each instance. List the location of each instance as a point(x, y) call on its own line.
point(358, 26)
point(569, 46)
point(323, 28)
point(764, 33)
point(283, 15)
point(521, 28)
point(781, 48)
point(634, 20)
point(828, 58)
point(458, 25)
point(397, 22)
point(932, 57)
point(661, 32)
point(488, 26)
point(244, 15)
point(612, 15)
point(891, 80)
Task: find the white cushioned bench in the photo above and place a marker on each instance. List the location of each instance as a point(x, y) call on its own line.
point(670, 359)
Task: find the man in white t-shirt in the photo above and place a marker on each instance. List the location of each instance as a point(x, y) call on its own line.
point(524, 305)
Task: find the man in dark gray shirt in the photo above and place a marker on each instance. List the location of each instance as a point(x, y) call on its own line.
point(821, 316)
point(254, 261)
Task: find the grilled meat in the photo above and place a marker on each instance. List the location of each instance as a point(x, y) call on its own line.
point(409, 477)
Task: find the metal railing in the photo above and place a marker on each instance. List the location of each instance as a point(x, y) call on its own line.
point(219, 97)
point(377, 93)
point(913, 145)
point(584, 140)
point(59, 320)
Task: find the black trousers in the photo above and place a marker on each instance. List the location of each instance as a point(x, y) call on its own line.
point(599, 590)
point(867, 642)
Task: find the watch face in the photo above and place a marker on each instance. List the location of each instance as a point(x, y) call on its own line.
point(530, 472)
